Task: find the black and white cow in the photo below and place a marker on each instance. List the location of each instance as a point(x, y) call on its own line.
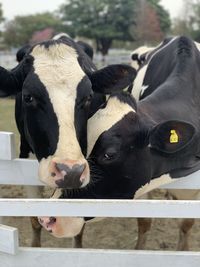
point(134, 148)
point(139, 56)
point(144, 225)
point(57, 81)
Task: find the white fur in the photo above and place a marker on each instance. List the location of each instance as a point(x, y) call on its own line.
point(140, 51)
point(154, 183)
point(143, 89)
point(105, 118)
point(59, 71)
point(197, 45)
point(59, 35)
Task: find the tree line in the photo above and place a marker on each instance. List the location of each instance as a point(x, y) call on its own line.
point(105, 21)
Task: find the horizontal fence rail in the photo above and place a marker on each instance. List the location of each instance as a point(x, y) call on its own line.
point(15, 171)
point(41, 257)
point(25, 171)
point(100, 208)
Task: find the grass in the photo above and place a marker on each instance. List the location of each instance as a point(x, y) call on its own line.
point(7, 117)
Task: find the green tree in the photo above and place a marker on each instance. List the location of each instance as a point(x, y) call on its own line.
point(20, 30)
point(194, 20)
point(188, 21)
point(1, 14)
point(101, 20)
point(108, 20)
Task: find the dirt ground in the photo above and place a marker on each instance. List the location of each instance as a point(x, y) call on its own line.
point(113, 233)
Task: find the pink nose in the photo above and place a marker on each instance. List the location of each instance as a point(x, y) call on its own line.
point(68, 174)
point(47, 222)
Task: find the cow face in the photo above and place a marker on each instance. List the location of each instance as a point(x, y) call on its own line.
point(128, 149)
point(56, 96)
point(57, 85)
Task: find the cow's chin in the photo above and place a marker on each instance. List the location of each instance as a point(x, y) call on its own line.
point(61, 227)
point(56, 178)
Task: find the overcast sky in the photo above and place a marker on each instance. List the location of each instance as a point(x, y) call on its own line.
point(12, 8)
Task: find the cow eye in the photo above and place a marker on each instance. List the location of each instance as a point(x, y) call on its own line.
point(109, 156)
point(28, 99)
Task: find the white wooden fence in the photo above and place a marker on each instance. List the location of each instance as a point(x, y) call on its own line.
point(24, 172)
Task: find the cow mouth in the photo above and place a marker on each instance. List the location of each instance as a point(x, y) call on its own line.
point(48, 223)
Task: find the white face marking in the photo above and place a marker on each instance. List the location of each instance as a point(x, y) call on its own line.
point(59, 35)
point(197, 45)
point(139, 80)
point(144, 87)
point(105, 118)
point(59, 71)
point(154, 183)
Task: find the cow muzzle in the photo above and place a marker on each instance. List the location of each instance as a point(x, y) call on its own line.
point(62, 226)
point(67, 174)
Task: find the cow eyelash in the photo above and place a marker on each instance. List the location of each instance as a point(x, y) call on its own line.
point(108, 156)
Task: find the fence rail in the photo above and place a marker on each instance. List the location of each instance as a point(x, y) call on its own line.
point(17, 171)
point(14, 171)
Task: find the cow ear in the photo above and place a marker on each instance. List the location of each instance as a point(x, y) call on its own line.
point(9, 83)
point(113, 78)
point(171, 136)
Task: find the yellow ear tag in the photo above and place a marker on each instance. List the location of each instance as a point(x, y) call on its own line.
point(173, 137)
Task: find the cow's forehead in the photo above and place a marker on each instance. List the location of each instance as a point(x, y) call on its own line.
point(105, 118)
point(57, 67)
point(54, 51)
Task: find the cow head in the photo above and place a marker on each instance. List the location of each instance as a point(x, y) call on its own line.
point(57, 82)
point(128, 148)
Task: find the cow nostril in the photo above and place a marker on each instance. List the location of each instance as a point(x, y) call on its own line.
point(52, 220)
point(66, 170)
point(53, 174)
point(62, 167)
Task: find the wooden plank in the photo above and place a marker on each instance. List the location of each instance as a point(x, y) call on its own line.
point(100, 208)
point(8, 239)
point(7, 151)
point(19, 172)
point(89, 258)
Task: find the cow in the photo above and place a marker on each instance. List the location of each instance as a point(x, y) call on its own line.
point(56, 85)
point(25, 149)
point(136, 147)
point(144, 225)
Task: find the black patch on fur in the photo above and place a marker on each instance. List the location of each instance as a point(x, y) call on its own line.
point(40, 120)
point(82, 106)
